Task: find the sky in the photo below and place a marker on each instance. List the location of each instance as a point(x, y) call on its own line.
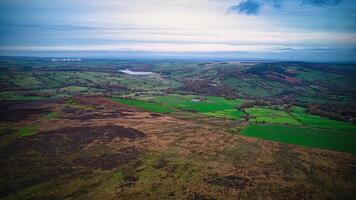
point(298, 30)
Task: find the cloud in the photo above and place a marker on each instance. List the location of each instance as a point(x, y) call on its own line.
point(249, 7)
point(48, 27)
point(304, 48)
point(252, 7)
point(321, 2)
point(275, 3)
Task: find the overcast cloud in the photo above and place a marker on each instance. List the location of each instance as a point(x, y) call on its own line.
point(273, 29)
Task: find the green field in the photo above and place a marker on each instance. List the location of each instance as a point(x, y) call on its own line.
point(320, 122)
point(147, 106)
point(227, 113)
point(308, 137)
point(210, 106)
point(316, 121)
point(27, 131)
point(298, 109)
point(246, 87)
point(73, 89)
point(267, 115)
point(297, 117)
point(256, 87)
point(307, 130)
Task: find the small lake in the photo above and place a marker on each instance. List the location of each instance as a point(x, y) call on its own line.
point(127, 71)
point(195, 100)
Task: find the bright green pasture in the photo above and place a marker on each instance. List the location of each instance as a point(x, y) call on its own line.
point(227, 113)
point(298, 109)
point(73, 89)
point(148, 106)
point(320, 122)
point(27, 131)
point(308, 137)
point(267, 115)
point(316, 121)
point(211, 104)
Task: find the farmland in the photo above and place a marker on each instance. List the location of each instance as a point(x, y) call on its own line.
point(299, 127)
point(226, 113)
point(211, 106)
point(308, 137)
point(266, 115)
point(319, 122)
point(194, 103)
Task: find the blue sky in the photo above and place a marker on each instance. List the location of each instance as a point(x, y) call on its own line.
point(310, 30)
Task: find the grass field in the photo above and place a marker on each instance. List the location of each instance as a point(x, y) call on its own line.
point(211, 104)
point(298, 117)
point(227, 113)
point(267, 115)
point(247, 87)
point(256, 87)
point(298, 109)
point(73, 89)
point(26, 131)
point(320, 122)
point(316, 121)
point(308, 137)
point(147, 106)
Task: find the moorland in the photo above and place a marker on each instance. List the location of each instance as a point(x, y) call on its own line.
point(176, 129)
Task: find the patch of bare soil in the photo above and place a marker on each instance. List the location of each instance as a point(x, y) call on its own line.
point(51, 154)
point(100, 103)
point(230, 181)
point(129, 180)
point(92, 108)
point(14, 111)
point(88, 134)
point(90, 115)
point(4, 132)
point(109, 161)
point(197, 196)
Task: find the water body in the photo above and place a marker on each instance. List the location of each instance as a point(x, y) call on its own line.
point(127, 71)
point(195, 100)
